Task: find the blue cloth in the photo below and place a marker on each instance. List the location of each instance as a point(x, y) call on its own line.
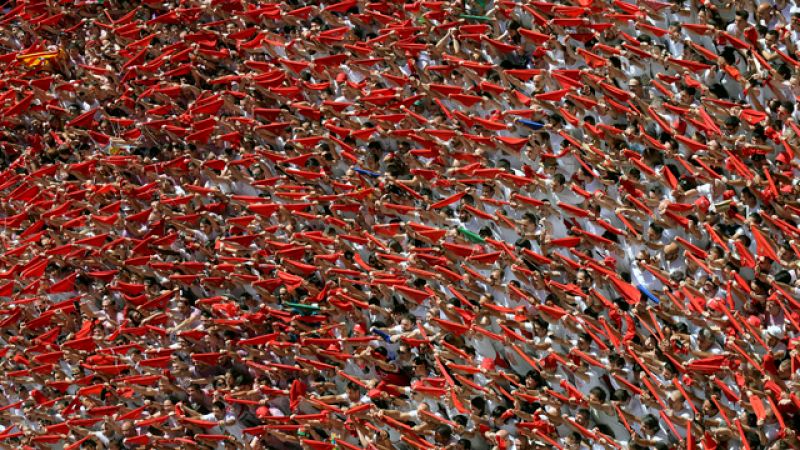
point(532, 124)
point(367, 172)
point(649, 294)
point(383, 335)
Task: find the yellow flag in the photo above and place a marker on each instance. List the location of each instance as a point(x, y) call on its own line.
point(38, 58)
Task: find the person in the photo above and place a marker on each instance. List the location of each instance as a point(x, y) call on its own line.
point(374, 225)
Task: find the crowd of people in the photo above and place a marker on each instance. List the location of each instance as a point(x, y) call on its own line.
point(456, 225)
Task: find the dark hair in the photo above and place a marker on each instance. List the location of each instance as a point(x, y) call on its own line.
point(732, 121)
point(657, 228)
point(719, 90)
point(536, 377)
point(729, 54)
point(783, 277)
point(745, 240)
point(650, 421)
point(600, 393)
point(479, 403)
point(786, 73)
point(620, 395)
point(499, 411)
point(445, 431)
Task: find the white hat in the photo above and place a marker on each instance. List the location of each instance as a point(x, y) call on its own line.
point(775, 331)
